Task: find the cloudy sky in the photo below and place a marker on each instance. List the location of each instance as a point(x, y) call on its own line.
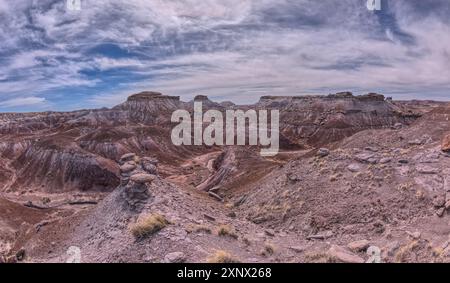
point(52, 57)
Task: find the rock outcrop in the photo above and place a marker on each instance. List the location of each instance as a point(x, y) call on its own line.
point(136, 176)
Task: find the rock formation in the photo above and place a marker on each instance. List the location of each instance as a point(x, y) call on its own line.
point(136, 175)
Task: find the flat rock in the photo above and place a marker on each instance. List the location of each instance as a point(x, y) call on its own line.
point(366, 158)
point(343, 255)
point(175, 257)
point(321, 236)
point(425, 169)
point(297, 249)
point(128, 167)
point(354, 168)
point(128, 157)
point(142, 178)
point(358, 246)
point(385, 160)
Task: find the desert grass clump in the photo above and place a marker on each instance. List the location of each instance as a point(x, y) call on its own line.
point(406, 251)
point(319, 257)
point(226, 231)
point(199, 229)
point(222, 257)
point(148, 225)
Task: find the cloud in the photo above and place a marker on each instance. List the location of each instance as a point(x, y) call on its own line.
point(230, 50)
point(23, 101)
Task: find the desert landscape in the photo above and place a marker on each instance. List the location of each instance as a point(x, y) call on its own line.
point(357, 176)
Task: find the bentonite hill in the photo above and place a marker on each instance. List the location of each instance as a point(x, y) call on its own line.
point(355, 175)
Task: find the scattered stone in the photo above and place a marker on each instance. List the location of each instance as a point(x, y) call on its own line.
point(142, 178)
point(294, 177)
point(366, 158)
point(232, 214)
point(447, 205)
point(216, 196)
point(270, 233)
point(354, 168)
point(323, 152)
point(259, 219)
point(321, 236)
point(209, 217)
point(403, 161)
point(175, 257)
point(216, 189)
point(439, 201)
point(424, 169)
point(385, 160)
point(358, 246)
point(342, 255)
point(440, 212)
point(415, 235)
point(416, 142)
point(397, 126)
point(297, 249)
point(446, 144)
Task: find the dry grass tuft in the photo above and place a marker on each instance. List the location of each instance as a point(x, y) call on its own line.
point(222, 257)
point(226, 231)
point(199, 229)
point(148, 225)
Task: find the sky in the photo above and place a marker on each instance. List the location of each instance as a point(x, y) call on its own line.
point(54, 56)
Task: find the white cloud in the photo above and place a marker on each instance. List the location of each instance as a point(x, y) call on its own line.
point(24, 101)
point(228, 49)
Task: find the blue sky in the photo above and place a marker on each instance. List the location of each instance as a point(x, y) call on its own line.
point(54, 58)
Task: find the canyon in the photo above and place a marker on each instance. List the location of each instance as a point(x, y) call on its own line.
point(352, 172)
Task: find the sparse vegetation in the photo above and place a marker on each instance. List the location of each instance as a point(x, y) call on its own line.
point(148, 225)
point(404, 252)
point(226, 231)
point(318, 257)
point(199, 229)
point(222, 257)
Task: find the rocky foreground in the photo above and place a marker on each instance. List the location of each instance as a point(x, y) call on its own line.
point(357, 177)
